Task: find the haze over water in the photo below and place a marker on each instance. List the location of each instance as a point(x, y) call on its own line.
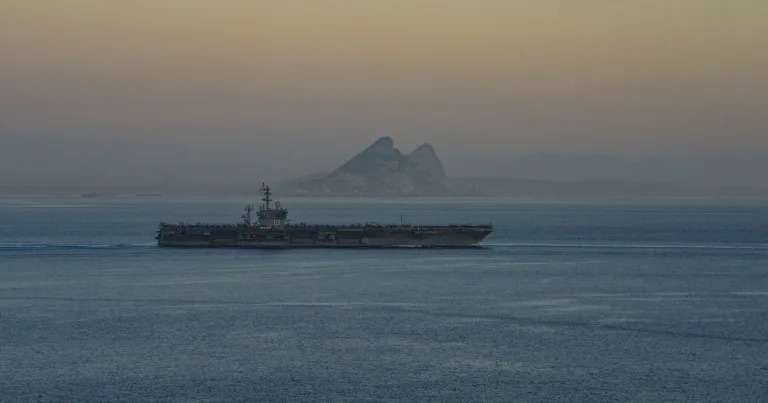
point(147, 92)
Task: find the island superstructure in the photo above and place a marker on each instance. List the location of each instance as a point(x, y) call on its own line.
point(273, 230)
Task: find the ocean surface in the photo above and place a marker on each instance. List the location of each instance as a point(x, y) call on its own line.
point(567, 302)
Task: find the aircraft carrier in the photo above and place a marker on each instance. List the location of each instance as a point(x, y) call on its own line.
point(273, 230)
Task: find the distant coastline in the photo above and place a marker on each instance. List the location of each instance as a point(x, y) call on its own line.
point(382, 171)
point(465, 188)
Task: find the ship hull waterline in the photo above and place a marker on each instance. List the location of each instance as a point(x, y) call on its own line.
point(170, 236)
point(272, 230)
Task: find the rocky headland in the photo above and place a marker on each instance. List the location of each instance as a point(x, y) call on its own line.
point(380, 170)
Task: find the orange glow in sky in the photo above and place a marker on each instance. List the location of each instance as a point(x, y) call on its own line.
point(595, 76)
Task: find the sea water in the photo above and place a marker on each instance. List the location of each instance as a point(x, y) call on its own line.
point(567, 302)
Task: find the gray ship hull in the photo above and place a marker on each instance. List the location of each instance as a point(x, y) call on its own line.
point(272, 230)
point(179, 235)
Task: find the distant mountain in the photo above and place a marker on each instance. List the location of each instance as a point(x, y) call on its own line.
point(379, 170)
point(425, 159)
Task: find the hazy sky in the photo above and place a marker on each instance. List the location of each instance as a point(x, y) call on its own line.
point(90, 82)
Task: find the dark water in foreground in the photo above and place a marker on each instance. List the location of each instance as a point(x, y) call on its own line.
point(570, 302)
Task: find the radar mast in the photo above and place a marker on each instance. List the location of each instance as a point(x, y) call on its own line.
point(267, 195)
